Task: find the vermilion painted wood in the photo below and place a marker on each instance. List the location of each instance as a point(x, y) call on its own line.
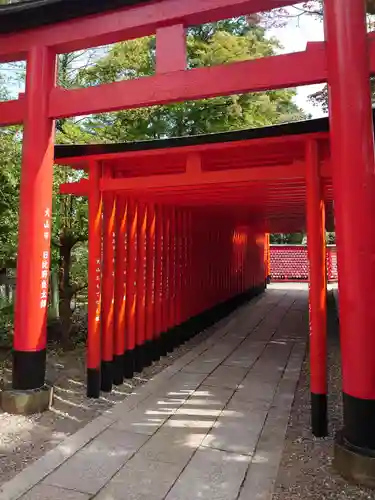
point(150, 272)
point(94, 270)
point(179, 265)
point(159, 266)
point(191, 278)
point(80, 188)
point(185, 310)
point(284, 71)
point(171, 49)
point(166, 269)
point(12, 112)
point(317, 273)
point(35, 218)
point(131, 275)
point(286, 149)
point(108, 279)
point(120, 276)
point(141, 274)
point(202, 179)
point(127, 23)
point(194, 274)
point(213, 264)
point(204, 258)
point(352, 144)
point(172, 269)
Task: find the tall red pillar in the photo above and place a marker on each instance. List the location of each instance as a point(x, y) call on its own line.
point(317, 291)
point(151, 350)
point(94, 282)
point(140, 354)
point(131, 296)
point(108, 284)
point(120, 291)
point(172, 340)
point(179, 270)
point(166, 279)
point(29, 353)
point(352, 150)
point(158, 318)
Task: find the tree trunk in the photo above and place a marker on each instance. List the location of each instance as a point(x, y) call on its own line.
point(54, 311)
point(371, 6)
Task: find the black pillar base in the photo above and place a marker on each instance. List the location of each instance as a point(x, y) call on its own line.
point(139, 358)
point(359, 422)
point(354, 464)
point(163, 344)
point(177, 336)
point(319, 421)
point(156, 349)
point(354, 454)
point(128, 366)
point(29, 369)
point(93, 383)
point(106, 376)
point(170, 340)
point(118, 369)
point(147, 350)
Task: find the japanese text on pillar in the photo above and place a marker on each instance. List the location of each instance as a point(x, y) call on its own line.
point(45, 258)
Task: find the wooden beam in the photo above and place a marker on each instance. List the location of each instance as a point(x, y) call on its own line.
point(12, 112)
point(171, 49)
point(156, 154)
point(127, 23)
point(283, 71)
point(80, 188)
point(188, 179)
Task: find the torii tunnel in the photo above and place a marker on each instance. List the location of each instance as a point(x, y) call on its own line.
point(185, 223)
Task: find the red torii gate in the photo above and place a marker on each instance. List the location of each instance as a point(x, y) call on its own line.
point(243, 178)
point(345, 61)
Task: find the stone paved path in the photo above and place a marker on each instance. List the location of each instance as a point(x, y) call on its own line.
point(211, 426)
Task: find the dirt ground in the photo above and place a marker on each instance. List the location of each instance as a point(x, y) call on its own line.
point(25, 439)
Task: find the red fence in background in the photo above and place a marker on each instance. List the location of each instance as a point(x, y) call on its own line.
point(291, 263)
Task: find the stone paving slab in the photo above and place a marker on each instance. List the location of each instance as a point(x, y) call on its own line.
point(93, 466)
point(212, 425)
point(142, 479)
point(211, 475)
point(45, 492)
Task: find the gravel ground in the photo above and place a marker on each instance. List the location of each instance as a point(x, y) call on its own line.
point(306, 469)
point(25, 439)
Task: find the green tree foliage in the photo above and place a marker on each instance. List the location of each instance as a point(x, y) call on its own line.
point(10, 157)
point(297, 239)
point(208, 45)
point(287, 238)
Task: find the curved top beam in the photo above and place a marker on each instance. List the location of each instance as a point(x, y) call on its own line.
point(119, 20)
point(30, 14)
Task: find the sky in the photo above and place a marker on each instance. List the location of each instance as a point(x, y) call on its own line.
point(294, 37)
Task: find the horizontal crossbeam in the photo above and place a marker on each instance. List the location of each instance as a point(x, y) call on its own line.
point(283, 71)
point(80, 188)
point(288, 70)
point(188, 179)
point(12, 112)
